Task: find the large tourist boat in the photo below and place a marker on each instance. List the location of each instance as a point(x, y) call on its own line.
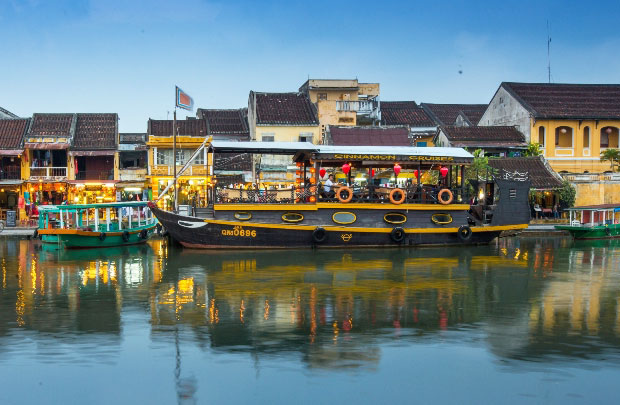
point(96, 225)
point(386, 196)
point(593, 222)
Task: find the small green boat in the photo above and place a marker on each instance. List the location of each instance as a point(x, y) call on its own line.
point(96, 225)
point(593, 222)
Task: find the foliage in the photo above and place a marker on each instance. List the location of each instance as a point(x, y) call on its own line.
point(567, 195)
point(533, 149)
point(611, 155)
point(478, 170)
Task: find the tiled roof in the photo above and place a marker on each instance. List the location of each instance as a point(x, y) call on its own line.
point(285, 109)
point(369, 136)
point(540, 174)
point(193, 127)
point(575, 101)
point(489, 136)
point(95, 131)
point(445, 114)
point(226, 122)
point(12, 132)
point(52, 124)
point(404, 113)
point(7, 114)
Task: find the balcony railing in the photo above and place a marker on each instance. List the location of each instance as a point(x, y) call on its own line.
point(10, 173)
point(48, 173)
point(164, 170)
point(95, 175)
point(360, 107)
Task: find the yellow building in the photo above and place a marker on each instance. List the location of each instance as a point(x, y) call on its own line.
point(343, 102)
point(573, 123)
point(193, 186)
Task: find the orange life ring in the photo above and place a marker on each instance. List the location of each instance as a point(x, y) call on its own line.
point(403, 195)
point(339, 197)
point(441, 193)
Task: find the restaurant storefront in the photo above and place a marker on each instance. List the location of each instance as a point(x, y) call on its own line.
point(87, 192)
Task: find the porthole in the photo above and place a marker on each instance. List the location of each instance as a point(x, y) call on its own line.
point(243, 216)
point(441, 219)
point(395, 218)
point(344, 218)
point(292, 217)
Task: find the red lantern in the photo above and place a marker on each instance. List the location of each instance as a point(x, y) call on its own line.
point(415, 173)
point(443, 171)
point(346, 168)
point(322, 172)
point(396, 169)
point(372, 171)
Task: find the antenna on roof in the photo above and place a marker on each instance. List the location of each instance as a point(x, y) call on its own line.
point(548, 53)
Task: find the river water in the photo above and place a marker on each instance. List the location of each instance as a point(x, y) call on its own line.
point(533, 320)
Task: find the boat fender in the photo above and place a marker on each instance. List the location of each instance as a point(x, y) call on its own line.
point(443, 200)
point(319, 235)
point(125, 236)
point(102, 236)
point(402, 193)
point(397, 234)
point(464, 233)
point(144, 234)
point(341, 198)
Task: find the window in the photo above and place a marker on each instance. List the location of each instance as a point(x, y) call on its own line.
point(164, 157)
point(586, 137)
point(243, 216)
point(395, 218)
point(322, 96)
point(344, 218)
point(609, 137)
point(441, 219)
point(512, 193)
point(564, 137)
point(292, 217)
point(306, 137)
point(541, 136)
point(420, 143)
point(267, 137)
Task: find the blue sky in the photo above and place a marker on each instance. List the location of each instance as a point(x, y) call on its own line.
point(126, 56)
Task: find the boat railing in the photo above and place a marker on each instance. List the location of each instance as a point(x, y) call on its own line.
point(97, 219)
point(414, 194)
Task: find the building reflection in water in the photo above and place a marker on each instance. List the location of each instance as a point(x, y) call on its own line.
point(531, 298)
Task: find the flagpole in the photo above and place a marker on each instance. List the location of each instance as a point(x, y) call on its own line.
point(174, 157)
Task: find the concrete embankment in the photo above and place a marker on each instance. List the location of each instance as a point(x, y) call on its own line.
point(543, 230)
point(17, 232)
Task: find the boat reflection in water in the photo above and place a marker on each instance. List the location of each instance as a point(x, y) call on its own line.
point(528, 298)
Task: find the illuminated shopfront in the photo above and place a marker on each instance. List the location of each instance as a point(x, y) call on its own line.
point(91, 193)
point(192, 191)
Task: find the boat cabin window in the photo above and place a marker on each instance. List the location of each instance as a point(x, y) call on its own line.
point(441, 219)
point(395, 218)
point(292, 217)
point(344, 218)
point(243, 216)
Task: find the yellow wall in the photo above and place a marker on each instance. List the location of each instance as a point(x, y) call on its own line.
point(577, 159)
point(287, 133)
point(596, 193)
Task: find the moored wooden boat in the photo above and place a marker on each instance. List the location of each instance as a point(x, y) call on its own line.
point(414, 214)
point(96, 225)
point(593, 222)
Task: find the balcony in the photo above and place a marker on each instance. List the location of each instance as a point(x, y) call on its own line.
point(362, 107)
point(48, 173)
point(10, 173)
point(194, 170)
point(95, 175)
point(132, 174)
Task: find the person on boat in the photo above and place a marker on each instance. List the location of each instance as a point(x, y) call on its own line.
point(327, 187)
point(556, 212)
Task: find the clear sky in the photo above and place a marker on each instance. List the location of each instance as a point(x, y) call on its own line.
point(126, 56)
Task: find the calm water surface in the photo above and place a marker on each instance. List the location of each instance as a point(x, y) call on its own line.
point(524, 320)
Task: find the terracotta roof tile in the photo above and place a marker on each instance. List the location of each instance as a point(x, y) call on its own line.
point(12, 132)
point(445, 114)
point(369, 136)
point(95, 131)
point(569, 101)
point(231, 123)
point(285, 109)
point(488, 136)
point(540, 174)
point(404, 113)
point(52, 124)
point(192, 127)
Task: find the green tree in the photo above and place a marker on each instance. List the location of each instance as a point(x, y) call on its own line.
point(533, 149)
point(567, 195)
point(611, 155)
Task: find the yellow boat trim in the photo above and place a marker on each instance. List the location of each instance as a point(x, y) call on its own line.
point(340, 206)
point(331, 228)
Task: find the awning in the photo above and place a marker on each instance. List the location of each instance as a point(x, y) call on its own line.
point(11, 152)
point(91, 152)
point(42, 145)
point(10, 182)
point(130, 184)
point(92, 182)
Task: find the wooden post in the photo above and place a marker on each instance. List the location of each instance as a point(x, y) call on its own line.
point(119, 214)
point(97, 219)
point(107, 218)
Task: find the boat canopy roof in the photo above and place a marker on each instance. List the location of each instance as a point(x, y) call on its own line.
point(371, 154)
point(601, 207)
point(103, 205)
